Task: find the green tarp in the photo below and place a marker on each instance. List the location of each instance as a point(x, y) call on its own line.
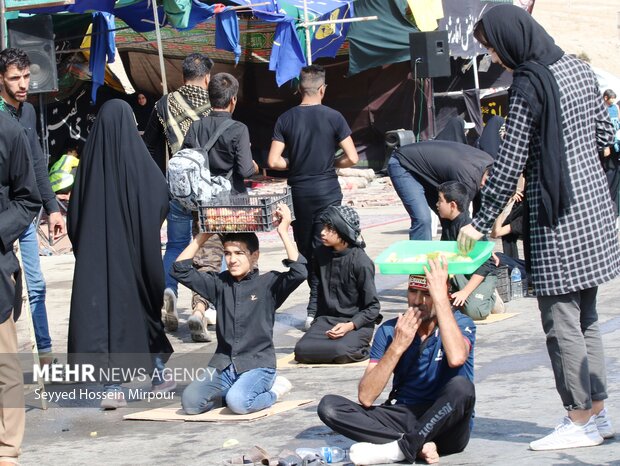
point(380, 42)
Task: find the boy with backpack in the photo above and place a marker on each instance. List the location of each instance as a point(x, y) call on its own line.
point(229, 158)
point(242, 372)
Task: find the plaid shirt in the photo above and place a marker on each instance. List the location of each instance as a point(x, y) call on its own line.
point(583, 250)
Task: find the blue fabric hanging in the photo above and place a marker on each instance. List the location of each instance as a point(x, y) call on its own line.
point(101, 45)
point(227, 32)
point(287, 57)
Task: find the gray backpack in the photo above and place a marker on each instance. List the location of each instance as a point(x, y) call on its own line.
point(189, 178)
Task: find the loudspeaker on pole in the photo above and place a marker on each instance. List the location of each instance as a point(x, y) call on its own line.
point(35, 36)
point(430, 54)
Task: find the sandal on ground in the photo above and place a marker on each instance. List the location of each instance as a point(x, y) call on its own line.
point(256, 455)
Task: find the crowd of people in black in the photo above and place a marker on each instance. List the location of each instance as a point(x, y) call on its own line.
point(537, 175)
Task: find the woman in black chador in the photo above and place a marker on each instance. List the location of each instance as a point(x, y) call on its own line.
point(118, 204)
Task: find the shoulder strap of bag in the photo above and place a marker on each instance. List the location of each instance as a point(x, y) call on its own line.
point(213, 139)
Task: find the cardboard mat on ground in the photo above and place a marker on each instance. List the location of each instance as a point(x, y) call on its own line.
point(492, 318)
point(288, 362)
point(175, 413)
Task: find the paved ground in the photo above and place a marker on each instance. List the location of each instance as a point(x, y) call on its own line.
point(517, 401)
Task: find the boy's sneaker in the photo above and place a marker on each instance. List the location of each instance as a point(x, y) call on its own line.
point(569, 435)
point(603, 424)
point(211, 315)
point(170, 316)
point(113, 399)
point(165, 387)
point(281, 386)
point(197, 329)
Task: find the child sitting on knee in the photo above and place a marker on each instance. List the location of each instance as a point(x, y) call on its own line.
point(242, 373)
point(474, 294)
point(343, 296)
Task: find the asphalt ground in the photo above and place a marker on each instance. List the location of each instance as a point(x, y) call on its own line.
point(516, 398)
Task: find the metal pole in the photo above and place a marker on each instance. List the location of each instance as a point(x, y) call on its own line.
point(3, 40)
point(27, 315)
point(340, 21)
point(160, 51)
point(43, 122)
point(432, 122)
point(475, 63)
point(307, 32)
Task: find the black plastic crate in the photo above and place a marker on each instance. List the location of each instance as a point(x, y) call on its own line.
point(503, 283)
point(243, 212)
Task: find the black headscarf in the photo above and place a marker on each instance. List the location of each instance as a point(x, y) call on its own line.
point(453, 131)
point(524, 46)
point(346, 221)
point(118, 204)
point(143, 112)
point(490, 139)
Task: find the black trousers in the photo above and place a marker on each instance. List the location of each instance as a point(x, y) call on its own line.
point(445, 422)
point(316, 347)
point(307, 226)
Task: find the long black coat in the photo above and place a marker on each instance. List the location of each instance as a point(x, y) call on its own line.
point(119, 201)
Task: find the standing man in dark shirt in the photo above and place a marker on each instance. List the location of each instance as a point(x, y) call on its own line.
point(15, 79)
point(19, 203)
point(243, 370)
point(164, 134)
point(230, 156)
point(311, 134)
point(416, 170)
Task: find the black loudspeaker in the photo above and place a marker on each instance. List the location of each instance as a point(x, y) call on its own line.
point(430, 54)
point(395, 139)
point(35, 36)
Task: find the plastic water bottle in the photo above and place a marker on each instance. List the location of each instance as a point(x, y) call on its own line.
point(516, 284)
point(329, 454)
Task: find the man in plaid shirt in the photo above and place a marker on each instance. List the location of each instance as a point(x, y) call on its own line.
point(555, 128)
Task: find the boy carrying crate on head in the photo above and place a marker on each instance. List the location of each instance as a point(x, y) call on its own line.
point(475, 294)
point(242, 372)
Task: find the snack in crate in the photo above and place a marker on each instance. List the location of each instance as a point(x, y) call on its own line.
point(233, 219)
point(420, 258)
point(247, 212)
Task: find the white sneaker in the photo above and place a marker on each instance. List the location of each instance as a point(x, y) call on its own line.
point(569, 435)
point(113, 399)
point(169, 314)
point(308, 322)
point(371, 453)
point(499, 307)
point(603, 424)
point(281, 386)
point(211, 316)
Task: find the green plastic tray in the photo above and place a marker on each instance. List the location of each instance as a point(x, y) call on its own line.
point(403, 249)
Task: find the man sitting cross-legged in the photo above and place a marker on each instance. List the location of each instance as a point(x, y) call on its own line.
point(429, 349)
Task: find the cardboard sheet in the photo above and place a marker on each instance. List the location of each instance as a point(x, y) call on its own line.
point(174, 413)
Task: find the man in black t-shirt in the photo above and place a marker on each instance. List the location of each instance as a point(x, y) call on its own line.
point(311, 134)
point(416, 170)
